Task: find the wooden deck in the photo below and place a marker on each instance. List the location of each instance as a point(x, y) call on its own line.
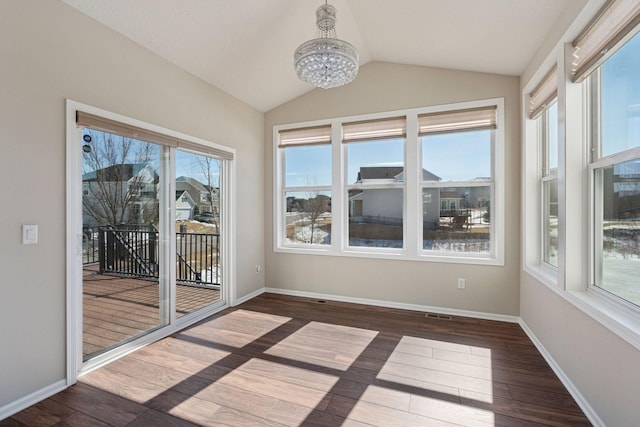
point(287, 361)
point(116, 309)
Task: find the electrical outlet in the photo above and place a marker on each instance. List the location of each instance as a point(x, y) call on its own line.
point(462, 283)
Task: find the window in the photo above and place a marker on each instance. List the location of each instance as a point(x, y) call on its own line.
point(306, 192)
point(370, 186)
point(457, 149)
point(615, 170)
point(543, 112)
point(549, 183)
point(375, 182)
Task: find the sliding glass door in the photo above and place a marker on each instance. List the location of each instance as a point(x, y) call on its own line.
point(152, 218)
point(124, 294)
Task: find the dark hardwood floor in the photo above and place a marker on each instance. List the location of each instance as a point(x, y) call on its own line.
point(279, 360)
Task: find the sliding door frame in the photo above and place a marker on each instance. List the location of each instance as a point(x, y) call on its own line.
point(75, 364)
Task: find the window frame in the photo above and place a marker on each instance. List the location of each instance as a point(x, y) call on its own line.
point(491, 183)
point(597, 163)
point(547, 176)
point(412, 192)
point(281, 194)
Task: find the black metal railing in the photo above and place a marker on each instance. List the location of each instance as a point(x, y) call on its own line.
point(89, 245)
point(132, 250)
point(198, 258)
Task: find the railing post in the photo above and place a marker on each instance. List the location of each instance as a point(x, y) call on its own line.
point(152, 246)
point(101, 250)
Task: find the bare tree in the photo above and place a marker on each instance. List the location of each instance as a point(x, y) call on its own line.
point(210, 169)
point(117, 174)
point(314, 206)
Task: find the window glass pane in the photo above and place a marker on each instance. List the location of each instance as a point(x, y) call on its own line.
point(621, 99)
point(307, 166)
point(550, 194)
point(552, 137)
point(620, 230)
point(377, 160)
point(456, 219)
point(308, 217)
point(460, 156)
point(197, 228)
point(121, 280)
point(375, 218)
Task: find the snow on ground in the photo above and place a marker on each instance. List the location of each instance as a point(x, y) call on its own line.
point(620, 276)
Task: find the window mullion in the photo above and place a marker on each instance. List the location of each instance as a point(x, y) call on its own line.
point(338, 195)
point(412, 194)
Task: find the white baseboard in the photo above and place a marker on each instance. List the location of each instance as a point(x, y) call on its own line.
point(399, 305)
point(31, 399)
point(571, 388)
point(247, 297)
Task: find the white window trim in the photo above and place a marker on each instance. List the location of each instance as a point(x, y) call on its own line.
point(412, 224)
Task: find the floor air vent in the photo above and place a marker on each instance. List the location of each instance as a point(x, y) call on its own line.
point(437, 316)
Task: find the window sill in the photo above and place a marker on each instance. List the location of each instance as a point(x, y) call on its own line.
point(543, 273)
point(391, 254)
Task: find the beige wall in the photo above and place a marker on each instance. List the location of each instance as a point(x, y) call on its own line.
point(386, 87)
point(603, 367)
point(50, 52)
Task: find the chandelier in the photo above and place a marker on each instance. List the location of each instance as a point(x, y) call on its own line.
point(326, 61)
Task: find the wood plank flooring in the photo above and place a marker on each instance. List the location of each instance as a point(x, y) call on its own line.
point(286, 361)
point(116, 309)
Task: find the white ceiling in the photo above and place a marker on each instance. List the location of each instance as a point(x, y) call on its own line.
point(245, 47)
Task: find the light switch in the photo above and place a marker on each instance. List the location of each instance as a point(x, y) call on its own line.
point(29, 234)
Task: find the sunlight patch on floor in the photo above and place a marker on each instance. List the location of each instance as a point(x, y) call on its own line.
point(444, 367)
point(323, 344)
point(236, 329)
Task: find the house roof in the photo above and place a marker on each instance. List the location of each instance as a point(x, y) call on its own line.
point(391, 172)
point(118, 173)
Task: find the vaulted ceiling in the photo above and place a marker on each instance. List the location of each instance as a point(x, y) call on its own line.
point(245, 47)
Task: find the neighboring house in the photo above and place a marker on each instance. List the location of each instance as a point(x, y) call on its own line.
point(623, 201)
point(385, 205)
point(206, 199)
point(451, 201)
point(184, 206)
point(124, 193)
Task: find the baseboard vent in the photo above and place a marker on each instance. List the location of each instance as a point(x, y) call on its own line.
point(318, 301)
point(437, 316)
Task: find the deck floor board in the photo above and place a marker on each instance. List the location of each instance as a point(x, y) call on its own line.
point(116, 309)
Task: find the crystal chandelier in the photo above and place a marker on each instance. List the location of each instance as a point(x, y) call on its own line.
point(326, 61)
